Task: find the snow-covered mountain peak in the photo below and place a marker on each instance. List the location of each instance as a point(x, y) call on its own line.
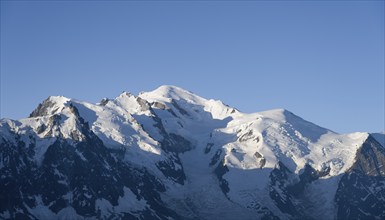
point(278, 135)
point(166, 93)
point(200, 157)
point(187, 102)
point(287, 119)
point(50, 106)
point(130, 103)
point(278, 114)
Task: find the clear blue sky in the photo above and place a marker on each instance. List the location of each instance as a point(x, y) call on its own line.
point(322, 60)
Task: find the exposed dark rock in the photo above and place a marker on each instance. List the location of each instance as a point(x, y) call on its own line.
point(180, 109)
point(221, 170)
point(280, 193)
point(308, 175)
point(245, 137)
point(79, 171)
point(104, 101)
point(361, 191)
point(169, 169)
point(370, 159)
point(41, 128)
point(144, 105)
point(159, 105)
point(172, 112)
point(216, 157)
point(42, 109)
point(261, 160)
point(258, 155)
point(324, 172)
point(74, 174)
point(208, 147)
point(178, 144)
point(53, 125)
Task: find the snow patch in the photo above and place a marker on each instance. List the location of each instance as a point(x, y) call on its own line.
point(104, 207)
point(41, 211)
point(130, 202)
point(41, 148)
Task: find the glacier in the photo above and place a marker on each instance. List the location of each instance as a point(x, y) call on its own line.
point(171, 154)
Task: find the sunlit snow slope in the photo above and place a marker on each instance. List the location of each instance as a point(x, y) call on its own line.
point(170, 154)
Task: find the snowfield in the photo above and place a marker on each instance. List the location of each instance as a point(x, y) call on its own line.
point(227, 157)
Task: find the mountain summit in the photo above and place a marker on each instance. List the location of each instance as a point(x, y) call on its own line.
point(170, 154)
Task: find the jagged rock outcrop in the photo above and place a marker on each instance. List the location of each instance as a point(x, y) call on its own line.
point(170, 154)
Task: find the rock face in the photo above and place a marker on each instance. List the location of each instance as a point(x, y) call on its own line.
point(170, 154)
point(81, 174)
point(361, 191)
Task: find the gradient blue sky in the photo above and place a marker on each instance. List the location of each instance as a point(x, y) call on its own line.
point(322, 60)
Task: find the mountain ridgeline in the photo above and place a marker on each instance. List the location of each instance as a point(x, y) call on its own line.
point(170, 154)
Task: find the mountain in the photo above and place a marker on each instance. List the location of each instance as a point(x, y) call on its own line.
point(170, 154)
